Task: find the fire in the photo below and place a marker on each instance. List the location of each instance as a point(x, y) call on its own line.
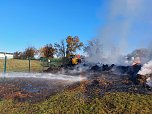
point(136, 61)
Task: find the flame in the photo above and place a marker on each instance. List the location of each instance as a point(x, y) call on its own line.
point(136, 61)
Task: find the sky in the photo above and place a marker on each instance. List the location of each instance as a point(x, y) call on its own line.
point(36, 23)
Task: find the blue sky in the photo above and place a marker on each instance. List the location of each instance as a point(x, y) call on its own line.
point(38, 22)
point(35, 23)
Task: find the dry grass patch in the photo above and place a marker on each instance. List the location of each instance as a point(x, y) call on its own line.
point(15, 65)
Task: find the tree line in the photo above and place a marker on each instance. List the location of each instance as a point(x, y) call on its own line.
point(62, 49)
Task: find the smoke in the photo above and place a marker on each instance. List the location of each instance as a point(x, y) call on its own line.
point(149, 81)
point(47, 76)
point(146, 69)
point(111, 42)
point(145, 54)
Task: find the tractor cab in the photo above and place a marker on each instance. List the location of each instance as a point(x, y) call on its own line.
point(74, 59)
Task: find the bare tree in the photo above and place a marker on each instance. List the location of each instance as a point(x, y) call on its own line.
point(60, 49)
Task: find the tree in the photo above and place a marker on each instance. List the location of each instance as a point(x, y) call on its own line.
point(60, 49)
point(94, 48)
point(73, 43)
point(30, 52)
point(48, 51)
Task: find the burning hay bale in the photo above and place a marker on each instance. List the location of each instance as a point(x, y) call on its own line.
point(107, 67)
point(133, 71)
point(146, 71)
point(141, 79)
point(108, 82)
point(104, 67)
point(149, 81)
point(122, 69)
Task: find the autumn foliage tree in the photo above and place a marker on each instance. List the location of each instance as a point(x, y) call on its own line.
point(73, 43)
point(30, 52)
point(48, 51)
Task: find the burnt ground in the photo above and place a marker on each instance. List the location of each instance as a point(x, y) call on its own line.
point(34, 90)
point(103, 82)
point(30, 89)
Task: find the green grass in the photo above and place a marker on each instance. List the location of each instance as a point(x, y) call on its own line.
point(74, 102)
point(16, 65)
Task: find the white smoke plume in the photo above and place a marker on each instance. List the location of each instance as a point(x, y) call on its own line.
point(149, 81)
point(147, 70)
point(112, 39)
point(145, 54)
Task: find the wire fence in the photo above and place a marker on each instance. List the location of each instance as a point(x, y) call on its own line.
point(28, 65)
point(17, 65)
point(1, 63)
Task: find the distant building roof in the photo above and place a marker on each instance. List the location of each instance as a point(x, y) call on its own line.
point(6, 53)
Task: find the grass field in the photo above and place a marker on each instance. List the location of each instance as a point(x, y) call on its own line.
point(74, 102)
point(15, 65)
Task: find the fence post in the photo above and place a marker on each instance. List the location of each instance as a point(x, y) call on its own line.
point(5, 62)
point(29, 64)
point(43, 63)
